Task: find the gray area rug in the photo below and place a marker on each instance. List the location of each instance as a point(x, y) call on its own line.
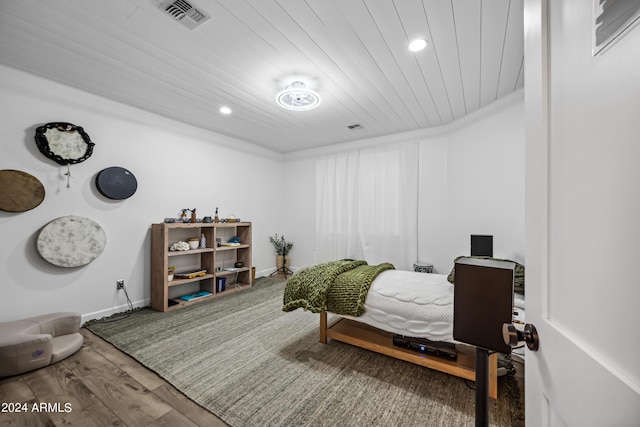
point(251, 364)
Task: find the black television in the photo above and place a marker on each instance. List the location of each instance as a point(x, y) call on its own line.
point(481, 245)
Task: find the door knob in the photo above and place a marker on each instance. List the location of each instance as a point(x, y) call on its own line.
point(512, 336)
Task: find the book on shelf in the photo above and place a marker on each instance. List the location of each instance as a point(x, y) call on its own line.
point(190, 274)
point(195, 295)
point(230, 244)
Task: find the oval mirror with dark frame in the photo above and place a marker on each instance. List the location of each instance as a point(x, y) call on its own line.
point(64, 143)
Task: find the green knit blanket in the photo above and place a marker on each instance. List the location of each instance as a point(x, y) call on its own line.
point(340, 287)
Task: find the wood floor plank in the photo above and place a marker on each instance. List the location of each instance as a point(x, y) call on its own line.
point(126, 363)
point(135, 405)
point(58, 384)
point(19, 390)
point(28, 418)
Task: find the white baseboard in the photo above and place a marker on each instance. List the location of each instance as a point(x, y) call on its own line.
point(113, 310)
point(144, 303)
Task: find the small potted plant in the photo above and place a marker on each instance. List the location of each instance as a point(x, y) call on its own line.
point(170, 271)
point(282, 248)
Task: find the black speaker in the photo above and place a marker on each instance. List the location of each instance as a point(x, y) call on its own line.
point(483, 302)
point(481, 245)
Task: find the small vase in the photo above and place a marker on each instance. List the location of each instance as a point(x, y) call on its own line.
point(279, 262)
point(169, 277)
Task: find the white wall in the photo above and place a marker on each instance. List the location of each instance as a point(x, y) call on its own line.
point(485, 183)
point(471, 182)
point(177, 166)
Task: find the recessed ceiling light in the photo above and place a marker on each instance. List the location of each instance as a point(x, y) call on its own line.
point(417, 45)
point(297, 97)
point(225, 110)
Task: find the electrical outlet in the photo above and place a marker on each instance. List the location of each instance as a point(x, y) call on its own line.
point(120, 284)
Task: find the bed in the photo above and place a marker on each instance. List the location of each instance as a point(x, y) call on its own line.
point(383, 302)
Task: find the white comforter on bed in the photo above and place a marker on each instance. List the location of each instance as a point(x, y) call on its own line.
point(416, 305)
point(412, 304)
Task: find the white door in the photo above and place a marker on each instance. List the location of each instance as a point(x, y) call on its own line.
point(582, 219)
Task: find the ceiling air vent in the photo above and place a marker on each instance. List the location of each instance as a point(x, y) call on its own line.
point(187, 15)
point(355, 126)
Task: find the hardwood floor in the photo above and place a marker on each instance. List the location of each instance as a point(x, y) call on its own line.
point(97, 386)
point(101, 386)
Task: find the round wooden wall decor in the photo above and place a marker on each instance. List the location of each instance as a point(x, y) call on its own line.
point(71, 241)
point(116, 183)
point(19, 191)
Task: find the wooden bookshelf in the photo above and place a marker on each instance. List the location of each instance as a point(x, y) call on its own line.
point(165, 294)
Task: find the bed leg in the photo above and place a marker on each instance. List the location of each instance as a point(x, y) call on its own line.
point(323, 327)
point(493, 375)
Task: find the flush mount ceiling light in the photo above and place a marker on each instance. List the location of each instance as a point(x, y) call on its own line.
point(297, 97)
point(417, 45)
point(225, 110)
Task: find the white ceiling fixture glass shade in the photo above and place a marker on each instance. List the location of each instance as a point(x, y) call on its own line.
point(298, 98)
point(417, 45)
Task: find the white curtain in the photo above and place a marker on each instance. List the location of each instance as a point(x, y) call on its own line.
point(367, 205)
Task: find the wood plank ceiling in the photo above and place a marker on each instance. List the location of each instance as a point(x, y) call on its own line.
point(352, 52)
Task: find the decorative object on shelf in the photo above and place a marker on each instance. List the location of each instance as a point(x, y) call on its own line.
point(195, 295)
point(231, 218)
point(19, 191)
point(207, 220)
point(238, 264)
point(282, 247)
point(170, 220)
point(180, 246)
point(183, 216)
point(215, 218)
point(194, 242)
point(71, 241)
point(170, 271)
point(203, 241)
point(234, 241)
point(218, 241)
point(116, 183)
point(194, 219)
point(190, 274)
point(64, 143)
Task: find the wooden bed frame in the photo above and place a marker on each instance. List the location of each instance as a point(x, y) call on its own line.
point(370, 338)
